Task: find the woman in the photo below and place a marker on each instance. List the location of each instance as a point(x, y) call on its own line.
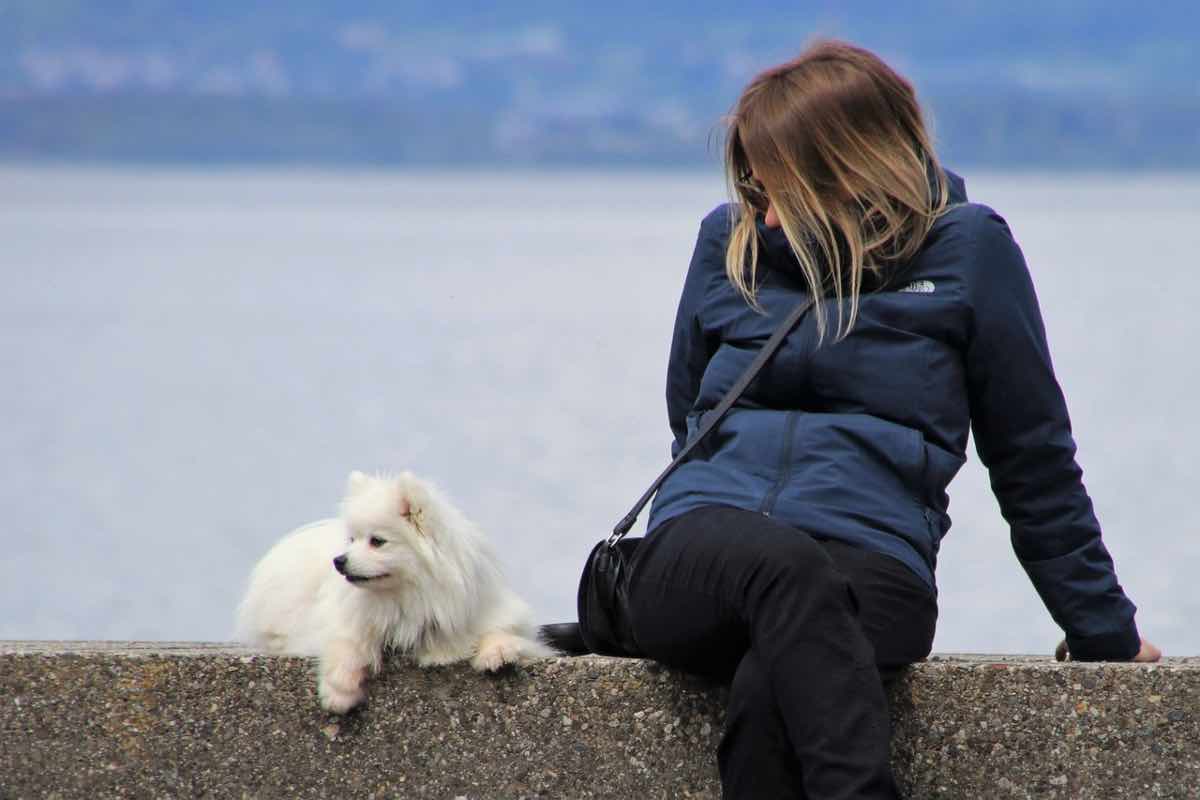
point(794, 556)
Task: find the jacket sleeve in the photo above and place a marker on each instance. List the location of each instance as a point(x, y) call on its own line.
point(1023, 436)
point(690, 349)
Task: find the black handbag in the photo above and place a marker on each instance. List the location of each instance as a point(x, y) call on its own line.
point(603, 599)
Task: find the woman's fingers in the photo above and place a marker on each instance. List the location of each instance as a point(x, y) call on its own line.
point(1148, 652)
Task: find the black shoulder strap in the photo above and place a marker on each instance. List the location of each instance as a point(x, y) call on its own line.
point(710, 418)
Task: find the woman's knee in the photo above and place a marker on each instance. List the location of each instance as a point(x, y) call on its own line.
point(750, 688)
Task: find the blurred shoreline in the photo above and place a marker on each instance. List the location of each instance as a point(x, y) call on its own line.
point(600, 172)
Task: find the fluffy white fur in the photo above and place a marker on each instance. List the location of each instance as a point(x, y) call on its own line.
point(415, 575)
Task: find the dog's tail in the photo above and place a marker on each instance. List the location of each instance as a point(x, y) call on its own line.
point(564, 639)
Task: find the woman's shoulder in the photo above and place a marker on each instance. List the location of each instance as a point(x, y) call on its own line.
point(975, 242)
point(707, 267)
point(969, 230)
point(713, 238)
point(970, 218)
point(719, 221)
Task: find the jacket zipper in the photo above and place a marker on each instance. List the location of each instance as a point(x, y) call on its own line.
point(785, 465)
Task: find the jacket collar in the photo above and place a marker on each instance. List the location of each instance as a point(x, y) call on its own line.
point(777, 251)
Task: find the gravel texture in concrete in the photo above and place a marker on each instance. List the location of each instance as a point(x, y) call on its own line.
point(192, 720)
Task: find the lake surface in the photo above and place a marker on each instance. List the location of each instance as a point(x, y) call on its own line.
point(193, 362)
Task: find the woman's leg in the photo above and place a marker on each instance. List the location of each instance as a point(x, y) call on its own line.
point(755, 756)
point(896, 609)
point(718, 583)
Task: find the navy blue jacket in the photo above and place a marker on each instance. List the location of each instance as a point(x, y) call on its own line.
point(858, 439)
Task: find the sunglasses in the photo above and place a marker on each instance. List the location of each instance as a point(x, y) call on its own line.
point(752, 191)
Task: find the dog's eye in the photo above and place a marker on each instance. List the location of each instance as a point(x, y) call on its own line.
point(375, 541)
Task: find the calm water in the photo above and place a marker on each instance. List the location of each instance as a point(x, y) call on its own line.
point(193, 362)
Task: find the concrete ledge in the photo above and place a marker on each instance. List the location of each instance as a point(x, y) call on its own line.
point(193, 720)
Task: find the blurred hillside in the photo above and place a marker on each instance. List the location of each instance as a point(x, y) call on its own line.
point(1059, 83)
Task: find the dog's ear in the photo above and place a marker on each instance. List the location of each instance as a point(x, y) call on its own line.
point(356, 483)
point(413, 501)
point(413, 512)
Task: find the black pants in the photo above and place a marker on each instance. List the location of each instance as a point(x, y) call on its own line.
point(797, 627)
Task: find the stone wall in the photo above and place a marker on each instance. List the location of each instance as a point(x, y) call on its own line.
point(189, 720)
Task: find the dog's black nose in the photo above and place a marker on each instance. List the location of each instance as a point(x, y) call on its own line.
point(339, 563)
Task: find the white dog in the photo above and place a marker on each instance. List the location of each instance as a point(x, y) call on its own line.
point(401, 568)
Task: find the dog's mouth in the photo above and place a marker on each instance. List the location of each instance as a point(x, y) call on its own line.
point(365, 578)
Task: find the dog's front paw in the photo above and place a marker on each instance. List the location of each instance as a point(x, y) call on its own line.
point(340, 688)
point(496, 650)
point(339, 701)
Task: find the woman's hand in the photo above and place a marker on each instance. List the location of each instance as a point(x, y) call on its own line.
point(1146, 654)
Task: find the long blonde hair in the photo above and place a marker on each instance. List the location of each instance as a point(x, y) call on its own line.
point(835, 142)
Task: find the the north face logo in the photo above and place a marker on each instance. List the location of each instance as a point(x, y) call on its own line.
point(919, 287)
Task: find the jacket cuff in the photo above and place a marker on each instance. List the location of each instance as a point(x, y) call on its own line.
point(1120, 645)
